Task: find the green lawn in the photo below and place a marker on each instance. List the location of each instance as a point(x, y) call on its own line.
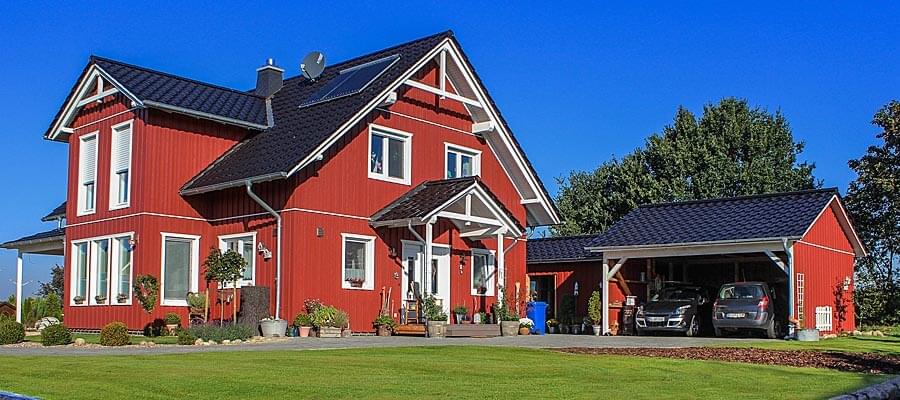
point(412, 373)
point(95, 338)
point(855, 344)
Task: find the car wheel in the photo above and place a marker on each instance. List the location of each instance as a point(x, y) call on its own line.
point(694, 328)
point(770, 330)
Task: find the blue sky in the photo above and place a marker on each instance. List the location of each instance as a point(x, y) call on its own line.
point(578, 84)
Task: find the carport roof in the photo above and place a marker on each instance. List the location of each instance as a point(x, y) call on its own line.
point(561, 249)
point(736, 219)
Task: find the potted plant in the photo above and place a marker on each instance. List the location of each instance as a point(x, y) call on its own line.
point(100, 299)
point(78, 299)
point(227, 268)
point(173, 322)
point(303, 322)
point(384, 325)
point(525, 325)
point(273, 327)
point(594, 313)
point(509, 320)
point(460, 311)
point(552, 325)
point(436, 317)
point(328, 321)
point(121, 298)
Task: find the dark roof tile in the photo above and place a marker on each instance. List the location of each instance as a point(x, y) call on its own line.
point(561, 249)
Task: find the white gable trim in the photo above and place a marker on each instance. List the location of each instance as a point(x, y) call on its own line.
point(532, 194)
point(78, 100)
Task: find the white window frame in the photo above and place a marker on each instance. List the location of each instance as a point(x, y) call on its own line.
point(369, 241)
point(824, 316)
point(114, 203)
point(94, 271)
point(195, 267)
point(112, 279)
point(81, 206)
point(406, 137)
point(491, 261)
point(461, 150)
point(223, 247)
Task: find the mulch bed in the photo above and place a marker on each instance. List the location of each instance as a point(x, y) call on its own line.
point(871, 363)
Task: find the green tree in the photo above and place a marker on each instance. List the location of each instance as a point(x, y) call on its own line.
point(57, 281)
point(225, 268)
point(731, 150)
point(873, 200)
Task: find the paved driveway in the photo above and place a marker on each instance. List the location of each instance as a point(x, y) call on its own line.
point(547, 341)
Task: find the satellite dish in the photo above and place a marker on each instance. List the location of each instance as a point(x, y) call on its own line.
point(313, 65)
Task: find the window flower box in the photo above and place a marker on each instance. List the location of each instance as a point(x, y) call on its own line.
point(121, 298)
point(356, 282)
point(100, 299)
point(78, 299)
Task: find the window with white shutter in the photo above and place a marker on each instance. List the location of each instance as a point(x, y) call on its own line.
point(120, 167)
point(87, 174)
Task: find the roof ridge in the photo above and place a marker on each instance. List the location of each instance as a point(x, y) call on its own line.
point(95, 57)
point(744, 197)
point(448, 33)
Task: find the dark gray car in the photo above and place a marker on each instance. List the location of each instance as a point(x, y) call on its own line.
point(746, 306)
point(678, 308)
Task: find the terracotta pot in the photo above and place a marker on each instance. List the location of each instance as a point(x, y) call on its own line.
point(524, 331)
point(304, 331)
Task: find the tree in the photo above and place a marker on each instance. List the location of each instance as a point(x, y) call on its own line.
point(56, 284)
point(225, 268)
point(873, 201)
point(731, 150)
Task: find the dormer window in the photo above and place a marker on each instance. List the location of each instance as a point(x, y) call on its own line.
point(87, 174)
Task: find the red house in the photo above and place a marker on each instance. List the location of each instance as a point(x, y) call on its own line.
point(392, 171)
point(801, 243)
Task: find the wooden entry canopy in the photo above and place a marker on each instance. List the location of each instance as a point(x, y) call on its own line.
point(767, 224)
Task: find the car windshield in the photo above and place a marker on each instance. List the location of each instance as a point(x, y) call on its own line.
point(741, 292)
point(676, 294)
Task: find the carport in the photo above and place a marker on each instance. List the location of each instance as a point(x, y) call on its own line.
point(747, 237)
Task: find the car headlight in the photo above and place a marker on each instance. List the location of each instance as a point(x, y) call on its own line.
point(681, 310)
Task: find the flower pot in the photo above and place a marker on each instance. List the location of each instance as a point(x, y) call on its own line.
point(524, 331)
point(564, 329)
point(273, 327)
point(598, 329)
point(329, 332)
point(304, 331)
point(551, 329)
point(171, 329)
point(575, 329)
point(509, 328)
point(383, 331)
point(436, 329)
point(460, 318)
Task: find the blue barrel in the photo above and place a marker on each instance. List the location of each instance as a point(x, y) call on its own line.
point(537, 312)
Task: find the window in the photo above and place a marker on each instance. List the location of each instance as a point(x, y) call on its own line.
point(482, 273)
point(120, 167)
point(80, 277)
point(180, 264)
point(462, 162)
point(245, 245)
point(357, 262)
point(102, 271)
point(823, 319)
point(87, 174)
point(389, 155)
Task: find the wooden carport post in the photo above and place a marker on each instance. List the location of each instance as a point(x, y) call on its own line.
point(607, 274)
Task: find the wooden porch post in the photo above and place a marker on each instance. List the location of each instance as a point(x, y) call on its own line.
point(605, 300)
point(19, 260)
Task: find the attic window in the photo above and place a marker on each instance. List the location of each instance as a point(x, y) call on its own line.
point(351, 80)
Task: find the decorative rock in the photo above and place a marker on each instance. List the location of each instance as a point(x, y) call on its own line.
point(80, 342)
point(45, 322)
point(256, 338)
point(198, 342)
point(877, 333)
point(151, 344)
point(236, 341)
point(209, 343)
point(226, 341)
point(143, 343)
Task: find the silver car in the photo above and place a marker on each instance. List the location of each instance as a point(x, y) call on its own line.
point(746, 306)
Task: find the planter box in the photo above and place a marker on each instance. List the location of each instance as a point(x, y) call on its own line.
point(808, 335)
point(509, 328)
point(273, 327)
point(436, 329)
point(329, 332)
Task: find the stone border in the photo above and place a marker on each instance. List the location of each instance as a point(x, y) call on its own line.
point(887, 390)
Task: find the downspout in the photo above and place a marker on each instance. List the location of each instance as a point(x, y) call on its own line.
point(270, 210)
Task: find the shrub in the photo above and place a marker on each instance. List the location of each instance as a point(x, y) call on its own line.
point(219, 333)
point(433, 311)
point(11, 332)
point(460, 309)
point(594, 311)
point(173, 319)
point(155, 328)
point(302, 319)
point(114, 334)
point(56, 335)
point(185, 337)
point(385, 321)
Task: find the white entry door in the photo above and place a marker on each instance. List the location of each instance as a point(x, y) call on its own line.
point(421, 279)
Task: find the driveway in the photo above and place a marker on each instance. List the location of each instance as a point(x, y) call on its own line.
point(547, 341)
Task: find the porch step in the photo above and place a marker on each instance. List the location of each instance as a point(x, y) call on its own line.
point(410, 330)
point(473, 330)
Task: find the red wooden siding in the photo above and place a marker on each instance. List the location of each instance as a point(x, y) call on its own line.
point(825, 258)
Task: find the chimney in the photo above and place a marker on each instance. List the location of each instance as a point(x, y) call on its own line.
point(269, 79)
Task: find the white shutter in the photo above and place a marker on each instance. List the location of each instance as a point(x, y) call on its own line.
point(88, 159)
point(121, 157)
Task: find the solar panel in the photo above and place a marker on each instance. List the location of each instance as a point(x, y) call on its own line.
point(351, 80)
